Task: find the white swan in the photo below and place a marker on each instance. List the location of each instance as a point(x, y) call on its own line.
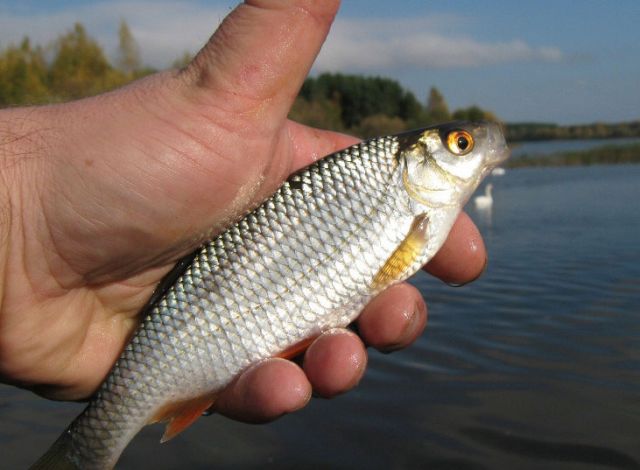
point(485, 201)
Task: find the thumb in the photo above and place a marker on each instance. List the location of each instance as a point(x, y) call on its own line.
point(261, 54)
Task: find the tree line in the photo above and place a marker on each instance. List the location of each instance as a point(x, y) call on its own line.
point(550, 131)
point(369, 106)
point(75, 66)
point(607, 154)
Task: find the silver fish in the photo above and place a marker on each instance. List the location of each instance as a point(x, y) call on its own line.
point(308, 259)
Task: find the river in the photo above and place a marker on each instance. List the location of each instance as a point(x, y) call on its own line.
point(541, 148)
point(535, 365)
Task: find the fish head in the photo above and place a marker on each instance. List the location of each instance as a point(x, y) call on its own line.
point(443, 165)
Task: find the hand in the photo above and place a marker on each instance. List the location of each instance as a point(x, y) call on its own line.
point(102, 196)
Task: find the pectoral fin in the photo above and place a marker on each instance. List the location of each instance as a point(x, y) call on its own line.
point(409, 251)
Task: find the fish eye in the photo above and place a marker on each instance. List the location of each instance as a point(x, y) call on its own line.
point(459, 142)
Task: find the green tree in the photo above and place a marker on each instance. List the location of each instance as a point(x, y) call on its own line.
point(360, 97)
point(128, 51)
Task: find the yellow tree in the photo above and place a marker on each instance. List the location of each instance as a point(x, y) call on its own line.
point(474, 113)
point(23, 75)
point(80, 67)
point(437, 109)
point(182, 61)
point(128, 51)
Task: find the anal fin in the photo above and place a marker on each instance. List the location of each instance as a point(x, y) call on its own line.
point(296, 349)
point(181, 415)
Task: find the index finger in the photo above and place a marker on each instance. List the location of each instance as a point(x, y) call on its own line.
point(463, 256)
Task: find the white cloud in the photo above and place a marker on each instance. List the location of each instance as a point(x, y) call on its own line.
point(167, 28)
point(408, 43)
point(163, 29)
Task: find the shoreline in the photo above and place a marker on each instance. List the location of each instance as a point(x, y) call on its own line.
point(605, 155)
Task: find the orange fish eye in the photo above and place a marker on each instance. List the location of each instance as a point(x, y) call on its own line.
point(459, 142)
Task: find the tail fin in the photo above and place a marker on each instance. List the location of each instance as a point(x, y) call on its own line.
point(59, 455)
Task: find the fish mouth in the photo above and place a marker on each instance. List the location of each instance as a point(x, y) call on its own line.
point(499, 154)
point(499, 150)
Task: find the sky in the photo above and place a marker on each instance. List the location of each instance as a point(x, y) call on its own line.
point(564, 61)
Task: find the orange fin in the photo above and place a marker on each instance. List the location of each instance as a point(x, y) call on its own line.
point(181, 415)
point(405, 255)
point(296, 349)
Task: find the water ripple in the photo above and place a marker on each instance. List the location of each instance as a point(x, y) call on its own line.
point(551, 451)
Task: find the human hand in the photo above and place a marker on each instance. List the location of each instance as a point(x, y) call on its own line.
point(102, 196)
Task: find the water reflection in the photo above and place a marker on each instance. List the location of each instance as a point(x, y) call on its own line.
point(484, 216)
point(554, 451)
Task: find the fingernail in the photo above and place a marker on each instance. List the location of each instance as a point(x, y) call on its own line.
point(482, 271)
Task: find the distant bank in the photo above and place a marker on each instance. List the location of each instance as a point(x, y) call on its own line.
point(517, 132)
point(605, 154)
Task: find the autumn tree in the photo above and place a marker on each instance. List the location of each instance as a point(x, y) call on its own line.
point(474, 113)
point(437, 109)
point(321, 113)
point(379, 124)
point(182, 61)
point(80, 68)
point(23, 75)
point(128, 59)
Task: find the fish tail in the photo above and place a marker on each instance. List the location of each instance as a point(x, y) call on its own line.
point(59, 455)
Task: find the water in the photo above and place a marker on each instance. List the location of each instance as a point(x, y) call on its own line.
point(548, 147)
point(536, 365)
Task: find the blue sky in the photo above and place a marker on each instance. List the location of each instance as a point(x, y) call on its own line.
point(565, 61)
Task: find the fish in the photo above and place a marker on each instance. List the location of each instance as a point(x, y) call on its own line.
point(308, 259)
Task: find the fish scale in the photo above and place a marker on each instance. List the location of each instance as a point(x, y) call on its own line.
point(309, 258)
